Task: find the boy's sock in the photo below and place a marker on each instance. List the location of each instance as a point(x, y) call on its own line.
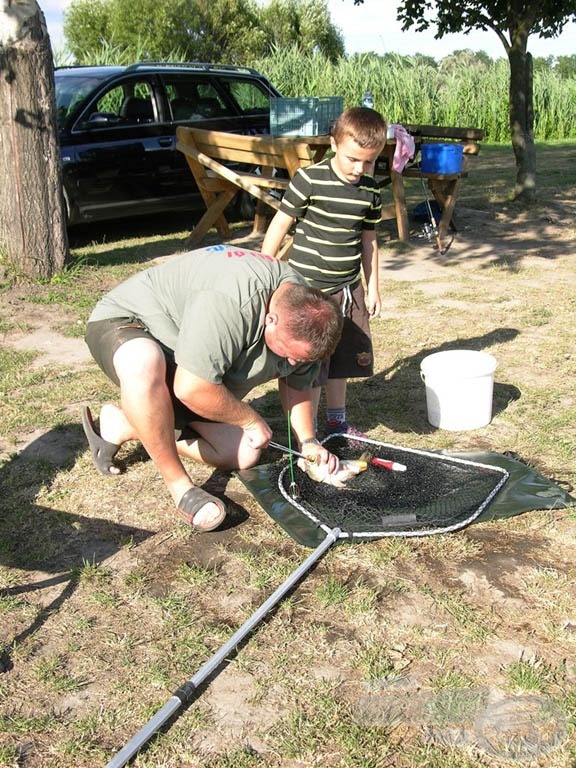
point(336, 424)
point(336, 415)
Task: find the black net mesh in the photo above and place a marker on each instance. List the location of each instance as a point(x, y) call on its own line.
point(435, 494)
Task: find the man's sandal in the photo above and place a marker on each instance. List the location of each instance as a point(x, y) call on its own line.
point(192, 502)
point(103, 452)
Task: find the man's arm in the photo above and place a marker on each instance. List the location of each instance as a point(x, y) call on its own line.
point(277, 231)
point(216, 402)
point(299, 403)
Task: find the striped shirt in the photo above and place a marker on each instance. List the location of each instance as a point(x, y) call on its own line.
point(331, 216)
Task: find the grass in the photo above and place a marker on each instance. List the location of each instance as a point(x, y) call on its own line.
point(108, 603)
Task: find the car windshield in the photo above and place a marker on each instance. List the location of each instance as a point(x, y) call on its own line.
point(71, 90)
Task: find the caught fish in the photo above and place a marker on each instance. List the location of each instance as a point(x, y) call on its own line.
point(347, 469)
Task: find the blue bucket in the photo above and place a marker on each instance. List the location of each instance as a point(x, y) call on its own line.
point(441, 158)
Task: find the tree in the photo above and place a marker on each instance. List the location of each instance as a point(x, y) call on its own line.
point(566, 66)
point(200, 30)
point(304, 23)
point(513, 21)
point(32, 221)
point(231, 31)
point(86, 25)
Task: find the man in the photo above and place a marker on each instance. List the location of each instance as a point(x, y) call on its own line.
point(186, 341)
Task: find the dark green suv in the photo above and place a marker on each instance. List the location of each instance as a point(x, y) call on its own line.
point(117, 129)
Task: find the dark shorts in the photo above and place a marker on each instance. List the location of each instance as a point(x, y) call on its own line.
point(104, 337)
point(353, 358)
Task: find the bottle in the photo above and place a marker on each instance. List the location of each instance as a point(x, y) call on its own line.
point(368, 100)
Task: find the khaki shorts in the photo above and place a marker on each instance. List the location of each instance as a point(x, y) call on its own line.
point(353, 358)
point(105, 337)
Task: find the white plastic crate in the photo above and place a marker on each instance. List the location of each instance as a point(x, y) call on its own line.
point(304, 116)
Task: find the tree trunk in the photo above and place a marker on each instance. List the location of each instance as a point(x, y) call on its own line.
point(522, 123)
point(33, 233)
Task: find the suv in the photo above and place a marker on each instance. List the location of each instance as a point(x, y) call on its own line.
point(117, 131)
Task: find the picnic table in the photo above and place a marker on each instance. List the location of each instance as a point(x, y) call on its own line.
point(443, 187)
point(224, 163)
point(260, 165)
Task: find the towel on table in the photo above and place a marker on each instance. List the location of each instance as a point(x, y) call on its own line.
point(405, 147)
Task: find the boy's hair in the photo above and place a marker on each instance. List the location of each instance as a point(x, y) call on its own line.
point(312, 316)
point(366, 126)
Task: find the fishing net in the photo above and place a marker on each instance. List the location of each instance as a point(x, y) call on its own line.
point(436, 493)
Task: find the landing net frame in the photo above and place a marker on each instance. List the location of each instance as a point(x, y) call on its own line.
point(437, 493)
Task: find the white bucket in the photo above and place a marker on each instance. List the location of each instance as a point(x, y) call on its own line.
point(459, 387)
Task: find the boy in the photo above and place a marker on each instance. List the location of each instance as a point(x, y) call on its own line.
point(336, 204)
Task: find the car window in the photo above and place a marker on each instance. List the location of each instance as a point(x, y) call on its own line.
point(128, 104)
point(193, 98)
point(71, 91)
point(250, 95)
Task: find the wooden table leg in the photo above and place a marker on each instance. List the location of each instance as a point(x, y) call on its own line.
point(400, 205)
point(213, 216)
point(445, 192)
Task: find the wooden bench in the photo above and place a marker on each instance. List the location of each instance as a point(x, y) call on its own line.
point(208, 151)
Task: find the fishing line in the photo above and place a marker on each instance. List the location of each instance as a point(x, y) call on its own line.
point(293, 488)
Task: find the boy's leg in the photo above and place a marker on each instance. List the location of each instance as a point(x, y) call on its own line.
point(351, 359)
point(316, 394)
point(336, 400)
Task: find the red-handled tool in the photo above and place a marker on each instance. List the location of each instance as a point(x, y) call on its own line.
point(393, 466)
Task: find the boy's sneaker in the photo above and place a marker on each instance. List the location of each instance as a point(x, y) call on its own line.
point(343, 428)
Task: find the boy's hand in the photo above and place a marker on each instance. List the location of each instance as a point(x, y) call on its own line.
point(373, 303)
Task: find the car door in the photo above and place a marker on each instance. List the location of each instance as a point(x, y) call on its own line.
point(222, 102)
point(112, 158)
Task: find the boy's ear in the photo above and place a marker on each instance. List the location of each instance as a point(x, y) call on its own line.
point(333, 144)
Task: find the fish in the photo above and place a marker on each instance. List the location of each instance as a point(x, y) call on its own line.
point(347, 470)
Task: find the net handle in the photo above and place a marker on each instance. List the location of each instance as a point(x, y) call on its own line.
point(185, 693)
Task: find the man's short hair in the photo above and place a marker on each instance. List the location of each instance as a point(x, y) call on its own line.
point(312, 316)
point(366, 126)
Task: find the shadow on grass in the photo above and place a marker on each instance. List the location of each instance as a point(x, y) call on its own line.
point(51, 544)
point(397, 394)
point(395, 397)
point(155, 236)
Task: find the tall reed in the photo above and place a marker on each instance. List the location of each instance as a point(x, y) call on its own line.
point(409, 90)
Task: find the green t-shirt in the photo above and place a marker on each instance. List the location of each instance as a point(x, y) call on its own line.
point(209, 306)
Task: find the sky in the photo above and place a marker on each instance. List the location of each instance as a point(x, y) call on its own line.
point(373, 27)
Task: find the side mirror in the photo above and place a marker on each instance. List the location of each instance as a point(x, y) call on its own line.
point(101, 120)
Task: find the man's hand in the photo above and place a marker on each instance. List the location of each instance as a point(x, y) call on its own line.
point(258, 433)
point(317, 454)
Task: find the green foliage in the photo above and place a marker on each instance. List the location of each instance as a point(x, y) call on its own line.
point(565, 66)
point(231, 31)
point(87, 27)
point(513, 22)
point(295, 44)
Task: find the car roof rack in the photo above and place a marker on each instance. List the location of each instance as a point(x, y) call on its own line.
point(203, 66)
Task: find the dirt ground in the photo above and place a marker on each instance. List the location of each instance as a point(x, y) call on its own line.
point(486, 242)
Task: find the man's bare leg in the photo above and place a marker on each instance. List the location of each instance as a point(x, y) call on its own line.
point(147, 415)
point(219, 445)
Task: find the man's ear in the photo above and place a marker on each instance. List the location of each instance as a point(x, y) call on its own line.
point(271, 318)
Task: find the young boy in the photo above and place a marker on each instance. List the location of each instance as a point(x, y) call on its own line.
point(337, 206)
